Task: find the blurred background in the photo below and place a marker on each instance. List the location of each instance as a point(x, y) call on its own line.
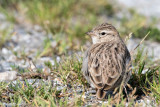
point(65, 22)
point(47, 28)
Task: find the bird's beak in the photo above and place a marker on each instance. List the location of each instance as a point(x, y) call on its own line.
point(90, 33)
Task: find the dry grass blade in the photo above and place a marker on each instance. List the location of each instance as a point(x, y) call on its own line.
point(27, 100)
point(140, 43)
point(129, 86)
point(32, 66)
point(34, 74)
point(128, 37)
point(134, 91)
point(35, 102)
point(115, 90)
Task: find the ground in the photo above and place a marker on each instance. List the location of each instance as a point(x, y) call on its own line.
point(42, 44)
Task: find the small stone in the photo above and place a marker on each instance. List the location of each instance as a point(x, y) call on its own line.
point(7, 66)
point(37, 28)
point(58, 59)
point(5, 51)
point(8, 75)
point(53, 44)
point(12, 58)
point(46, 70)
point(2, 16)
point(58, 81)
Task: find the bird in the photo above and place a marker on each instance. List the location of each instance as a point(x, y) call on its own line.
point(106, 62)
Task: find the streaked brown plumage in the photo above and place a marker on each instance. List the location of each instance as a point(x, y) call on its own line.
point(105, 62)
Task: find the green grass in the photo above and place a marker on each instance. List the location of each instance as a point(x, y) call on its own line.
point(139, 78)
point(69, 73)
point(155, 86)
point(5, 35)
point(154, 35)
point(139, 25)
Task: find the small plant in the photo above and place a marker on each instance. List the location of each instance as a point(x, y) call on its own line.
point(5, 35)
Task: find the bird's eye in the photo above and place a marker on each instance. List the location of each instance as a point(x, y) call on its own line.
point(103, 33)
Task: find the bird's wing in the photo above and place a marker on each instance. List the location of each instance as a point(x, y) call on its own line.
point(85, 65)
point(106, 64)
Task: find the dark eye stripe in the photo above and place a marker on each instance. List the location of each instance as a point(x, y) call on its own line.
point(109, 33)
point(105, 33)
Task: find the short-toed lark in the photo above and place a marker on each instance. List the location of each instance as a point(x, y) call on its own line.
point(105, 62)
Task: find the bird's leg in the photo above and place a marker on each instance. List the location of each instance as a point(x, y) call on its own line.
point(125, 90)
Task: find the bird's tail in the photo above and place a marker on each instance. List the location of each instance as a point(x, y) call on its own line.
point(100, 94)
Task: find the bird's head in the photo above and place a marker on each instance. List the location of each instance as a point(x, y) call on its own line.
point(103, 33)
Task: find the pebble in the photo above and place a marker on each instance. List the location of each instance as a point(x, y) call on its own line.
point(5, 51)
point(8, 75)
